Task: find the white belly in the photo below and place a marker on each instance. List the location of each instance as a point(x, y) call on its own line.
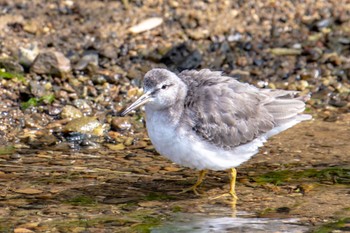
point(186, 149)
point(183, 147)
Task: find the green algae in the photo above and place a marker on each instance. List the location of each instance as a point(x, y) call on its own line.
point(82, 224)
point(9, 75)
point(33, 102)
point(148, 221)
point(7, 150)
point(335, 175)
point(82, 201)
point(341, 225)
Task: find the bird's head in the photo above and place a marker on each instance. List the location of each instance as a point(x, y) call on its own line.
point(162, 89)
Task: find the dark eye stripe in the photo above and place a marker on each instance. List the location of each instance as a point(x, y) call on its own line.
point(155, 91)
point(158, 89)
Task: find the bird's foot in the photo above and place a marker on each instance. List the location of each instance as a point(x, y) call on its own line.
point(193, 189)
point(231, 194)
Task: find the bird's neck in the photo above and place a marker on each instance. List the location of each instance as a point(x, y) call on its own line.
point(168, 116)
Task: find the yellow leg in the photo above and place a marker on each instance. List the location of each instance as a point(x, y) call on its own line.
point(233, 176)
point(200, 179)
point(232, 192)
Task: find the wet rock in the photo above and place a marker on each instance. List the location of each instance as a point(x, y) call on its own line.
point(83, 106)
point(69, 111)
point(121, 124)
point(85, 125)
point(52, 63)
point(128, 141)
point(119, 146)
point(53, 110)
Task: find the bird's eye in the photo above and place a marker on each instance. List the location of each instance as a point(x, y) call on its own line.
point(165, 86)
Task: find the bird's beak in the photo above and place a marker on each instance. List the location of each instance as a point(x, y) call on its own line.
point(140, 101)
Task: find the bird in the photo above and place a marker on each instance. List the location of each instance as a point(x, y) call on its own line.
point(205, 120)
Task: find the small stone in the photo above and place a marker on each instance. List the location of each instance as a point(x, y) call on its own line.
point(15, 156)
point(172, 169)
point(303, 85)
point(132, 92)
point(30, 225)
point(285, 51)
point(119, 146)
point(69, 111)
point(121, 123)
point(26, 56)
point(53, 111)
point(146, 25)
point(140, 144)
point(90, 59)
point(150, 203)
point(128, 141)
point(83, 106)
point(28, 191)
point(22, 230)
point(85, 125)
point(11, 66)
point(51, 62)
point(31, 26)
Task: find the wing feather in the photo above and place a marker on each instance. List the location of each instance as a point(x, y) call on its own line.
point(228, 113)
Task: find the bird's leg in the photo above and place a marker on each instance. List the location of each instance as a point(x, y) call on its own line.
point(200, 179)
point(233, 176)
point(232, 192)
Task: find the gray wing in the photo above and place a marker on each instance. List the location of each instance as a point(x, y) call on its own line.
point(228, 113)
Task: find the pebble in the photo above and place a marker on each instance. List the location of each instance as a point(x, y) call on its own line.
point(119, 146)
point(26, 55)
point(70, 111)
point(85, 125)
point(146, 25)
point(28, 191)
point(121, 123)
point(11, 66)
point(22, 230)
point(83, 106)
point(52, 63)
point(89, 59)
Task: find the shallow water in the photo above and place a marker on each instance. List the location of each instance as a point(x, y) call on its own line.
point(298, 180)
point(242, 222)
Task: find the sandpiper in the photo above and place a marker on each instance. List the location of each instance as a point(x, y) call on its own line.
point(206, 121)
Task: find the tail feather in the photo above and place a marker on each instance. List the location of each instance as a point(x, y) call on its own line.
point(285, 107)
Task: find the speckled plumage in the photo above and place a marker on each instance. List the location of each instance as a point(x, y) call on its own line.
point(203, 120)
